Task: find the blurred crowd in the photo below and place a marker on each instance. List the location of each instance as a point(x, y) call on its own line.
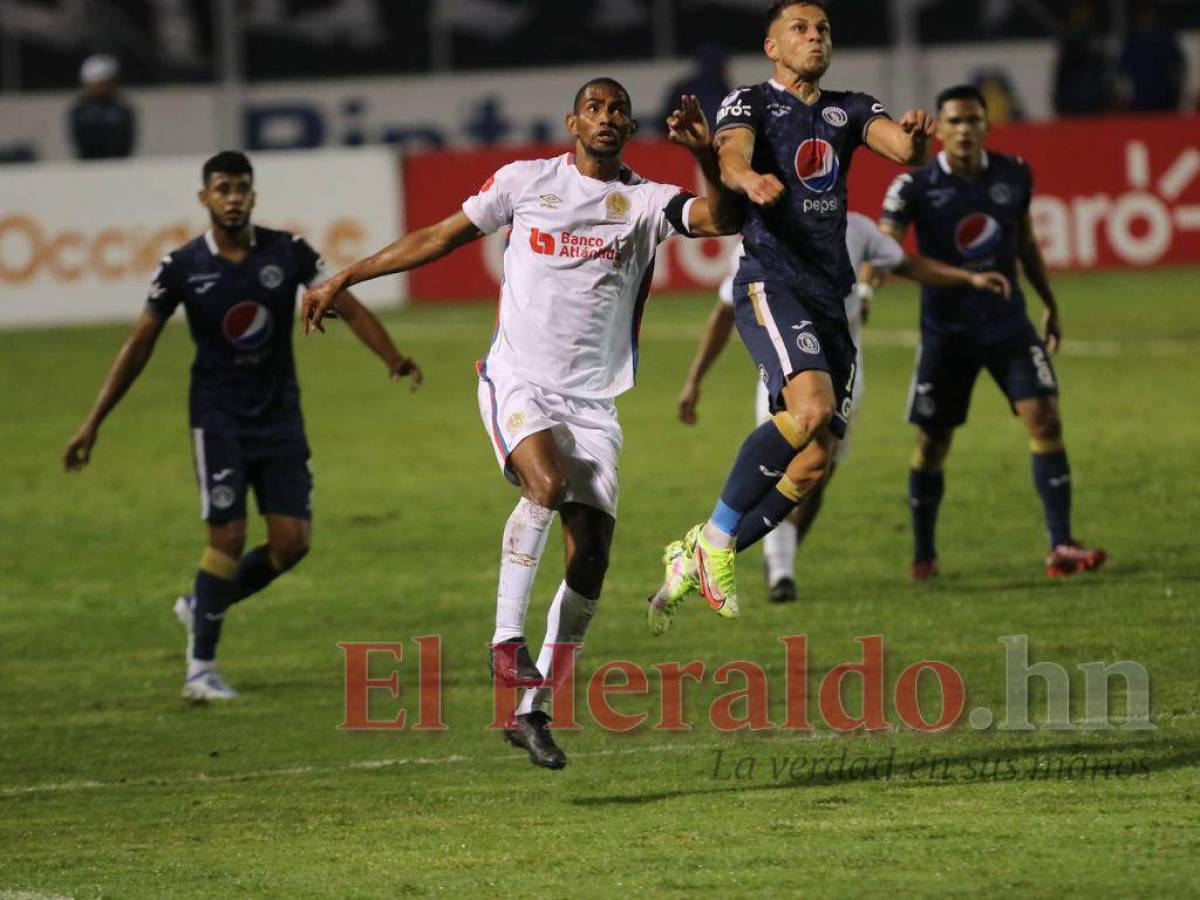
point(1111, 56)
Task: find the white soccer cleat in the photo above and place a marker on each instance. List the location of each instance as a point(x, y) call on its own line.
point(207, 685)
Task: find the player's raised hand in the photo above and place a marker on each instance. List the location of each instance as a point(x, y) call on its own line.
point(1052, 329)
point(79, 449)
point(318, 304)
point(687, 125)
point(993, 282)
point(689, 397)
point(406, 365)
point(918, 123)
point(762, 190)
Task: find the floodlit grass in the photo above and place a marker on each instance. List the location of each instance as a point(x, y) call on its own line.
point(111, 786)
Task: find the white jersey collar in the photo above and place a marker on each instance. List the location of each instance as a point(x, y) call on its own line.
point(210, 240)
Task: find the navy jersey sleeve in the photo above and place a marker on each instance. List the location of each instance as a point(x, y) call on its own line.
point(901, 201)
point(741, 108)
point(863, 110)
point(310, 268)
point(165, 292)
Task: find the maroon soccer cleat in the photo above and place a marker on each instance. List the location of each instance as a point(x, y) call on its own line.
point(1067, 559)
point(922, 569)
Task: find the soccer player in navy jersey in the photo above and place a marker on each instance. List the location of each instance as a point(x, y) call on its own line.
point(238, 284)
point(786, 146)
point(971, 209)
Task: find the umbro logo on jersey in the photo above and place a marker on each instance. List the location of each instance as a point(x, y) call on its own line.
point(550, 201)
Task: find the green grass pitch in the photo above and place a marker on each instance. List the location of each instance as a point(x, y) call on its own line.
point(111, 786)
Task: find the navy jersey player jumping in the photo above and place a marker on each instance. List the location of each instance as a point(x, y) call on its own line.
point(786, 145)
point(971, 209)
point(238, 285)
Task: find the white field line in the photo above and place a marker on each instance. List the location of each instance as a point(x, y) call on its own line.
point(396, 762)
point(890, 337)
point(452, 759)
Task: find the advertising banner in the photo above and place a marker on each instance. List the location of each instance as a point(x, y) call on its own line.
point(1110, 192)
point(78, 242)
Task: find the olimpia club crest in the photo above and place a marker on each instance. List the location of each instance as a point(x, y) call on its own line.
point(817, 165)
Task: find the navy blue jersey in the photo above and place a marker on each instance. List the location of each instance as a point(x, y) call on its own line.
point(240, 316)
point(802, 238)
point(971, 224)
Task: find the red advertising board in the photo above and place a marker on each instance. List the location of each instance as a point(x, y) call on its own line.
point(1110, 192)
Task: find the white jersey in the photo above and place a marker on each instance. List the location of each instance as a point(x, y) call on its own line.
point(577, 270)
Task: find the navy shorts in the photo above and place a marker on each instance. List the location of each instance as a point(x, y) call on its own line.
point(784, 336)
point(946, 369)
point(275, 466)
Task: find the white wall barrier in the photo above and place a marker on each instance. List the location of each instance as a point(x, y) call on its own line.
point(79, 241)
point(423, 112)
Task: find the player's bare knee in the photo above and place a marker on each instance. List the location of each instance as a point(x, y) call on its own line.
point(812, 414)
point(229, 538)
point(288, 553)
point(546, 488)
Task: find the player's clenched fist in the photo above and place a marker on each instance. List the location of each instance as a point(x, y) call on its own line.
point(762, 190)
point(918, 123)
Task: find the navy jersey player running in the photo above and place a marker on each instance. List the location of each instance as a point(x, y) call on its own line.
point(238, 285)
point(786, 145)
point(971, 209)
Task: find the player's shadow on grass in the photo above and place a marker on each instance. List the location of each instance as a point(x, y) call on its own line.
point(1186, 755)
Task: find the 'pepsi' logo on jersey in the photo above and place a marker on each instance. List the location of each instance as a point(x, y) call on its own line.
point(247, 325)
point(976, 235)
point(817, 165)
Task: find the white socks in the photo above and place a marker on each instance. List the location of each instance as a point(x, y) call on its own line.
point(567, 622)
point(779, 552)
point(525, 536)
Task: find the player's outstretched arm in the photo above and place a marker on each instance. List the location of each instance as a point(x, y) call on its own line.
point(1035, 270)
point(411, 251)
point(721, 211)
point(735, 150)
point(924, 270)
point(712, 342)
point(905, 141)
point(130, 361)
point(368, 329)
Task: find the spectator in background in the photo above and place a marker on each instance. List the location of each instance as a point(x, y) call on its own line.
point(1152, 65)
point(1003, 102)
point(1083, 78)
point(709, 82)
point(103, 125)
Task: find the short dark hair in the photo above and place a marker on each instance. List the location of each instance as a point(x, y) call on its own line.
point(775, 10)
point(602, 80)
point(961, 92)
point(231, 162)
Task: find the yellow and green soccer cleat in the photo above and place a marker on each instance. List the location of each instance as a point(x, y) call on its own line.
point(680, 581)
point(715, 569)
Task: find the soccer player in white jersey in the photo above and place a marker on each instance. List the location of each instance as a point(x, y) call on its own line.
point(872, 255)
point(583, 230)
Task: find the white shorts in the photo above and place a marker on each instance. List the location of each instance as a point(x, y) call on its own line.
point(762, 412)
point(587, 433)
